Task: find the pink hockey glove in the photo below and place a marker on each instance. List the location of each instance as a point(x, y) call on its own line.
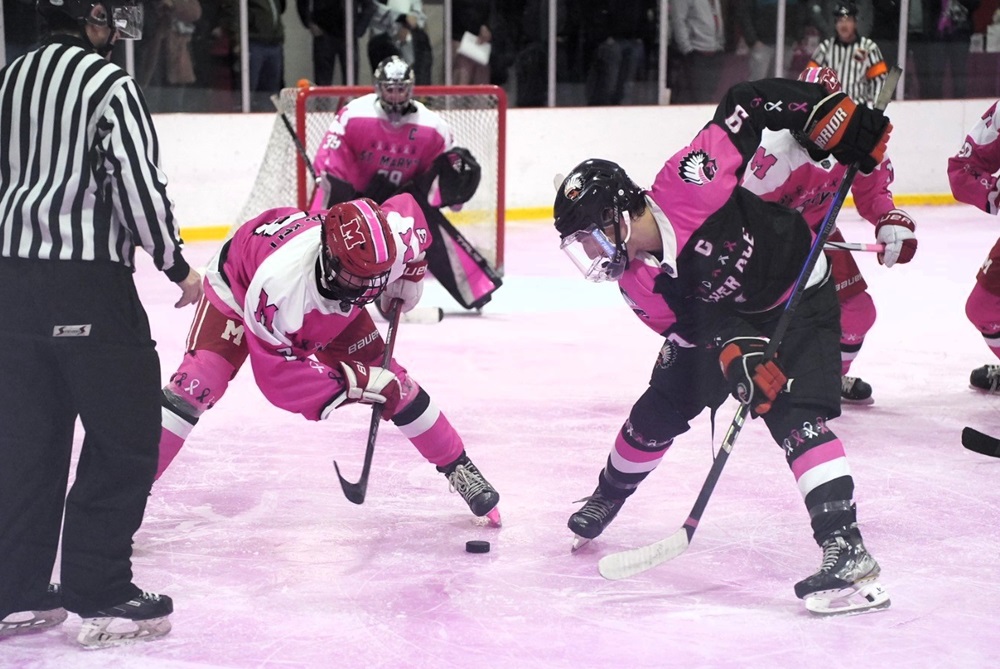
point(366, 385)
point(895, 230)
point(407, 288)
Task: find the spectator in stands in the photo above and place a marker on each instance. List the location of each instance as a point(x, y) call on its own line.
point(393, 33)
point(163, 59)
point(476, 18)
point(939, 35)
point(857, 60)
point(326, 22)
point(266, 35)
point(699, 42)
point(758, 20)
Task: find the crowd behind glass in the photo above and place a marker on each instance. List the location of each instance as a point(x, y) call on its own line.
point(604, 52)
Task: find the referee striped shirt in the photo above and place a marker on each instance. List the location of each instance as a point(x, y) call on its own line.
point(859, 65)
point(79, 163)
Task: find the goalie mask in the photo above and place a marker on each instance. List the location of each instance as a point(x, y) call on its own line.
point(357, 252)
point(394, 87)
point(597, 195)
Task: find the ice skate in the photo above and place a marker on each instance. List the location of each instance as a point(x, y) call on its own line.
point(46, 614)
point(596, 514)
point(847, 580)
point(142, 618)
point(986, 379)
point(466, 479)
point(855, 391)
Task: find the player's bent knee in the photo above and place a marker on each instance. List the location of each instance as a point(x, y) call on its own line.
point(201, 380)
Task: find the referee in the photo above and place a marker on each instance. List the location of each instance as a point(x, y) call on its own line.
point(80, 190)
point(856, 59)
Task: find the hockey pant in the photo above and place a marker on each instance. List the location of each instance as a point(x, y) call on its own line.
point(983, 306)
point(685, 381)
point(216, 350)
point(76, 344)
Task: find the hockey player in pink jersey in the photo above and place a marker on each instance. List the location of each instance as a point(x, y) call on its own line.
point(788, 169)
point(385, 143)
point(709, 265)
point(288, 290)
point(972, 174)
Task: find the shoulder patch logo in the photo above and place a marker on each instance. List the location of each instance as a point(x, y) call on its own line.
point(698, 168)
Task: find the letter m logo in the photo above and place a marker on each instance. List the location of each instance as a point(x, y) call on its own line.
point(233, 332)
point(350, 231)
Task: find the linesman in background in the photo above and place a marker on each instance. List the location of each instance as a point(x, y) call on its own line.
point(856, 59)
point(80, 190)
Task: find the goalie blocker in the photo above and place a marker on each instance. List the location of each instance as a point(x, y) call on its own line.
point(454, 261)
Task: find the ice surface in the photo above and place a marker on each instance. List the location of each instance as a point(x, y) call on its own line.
point(271, 567)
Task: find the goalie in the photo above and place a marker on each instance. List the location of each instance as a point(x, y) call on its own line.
point(386, 143)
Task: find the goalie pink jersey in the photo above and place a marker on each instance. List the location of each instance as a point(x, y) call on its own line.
point(362, 142)
point(971, 172)
point(267, 277)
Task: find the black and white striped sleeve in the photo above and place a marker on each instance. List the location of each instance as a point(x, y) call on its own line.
point(137, 184)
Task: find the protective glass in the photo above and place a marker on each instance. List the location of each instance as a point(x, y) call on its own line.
point(594, 254)
point(127, 20)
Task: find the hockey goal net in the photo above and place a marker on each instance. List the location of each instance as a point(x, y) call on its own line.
point(477, 116)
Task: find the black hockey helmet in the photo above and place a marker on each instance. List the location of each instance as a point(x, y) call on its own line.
point(597, 194)
point(124, 16)
point(595, 191)
point(845, 9)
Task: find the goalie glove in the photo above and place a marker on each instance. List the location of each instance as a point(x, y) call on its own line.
point(753, 382)
point(365, 384)
point(407, 288)
point(895, 230)
point(851, 132)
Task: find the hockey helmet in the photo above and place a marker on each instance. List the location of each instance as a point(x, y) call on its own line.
point(822, 75)
point(596, 195)
point(358, 251)
point(123, 16)
point(394, 86)
point(845, 9)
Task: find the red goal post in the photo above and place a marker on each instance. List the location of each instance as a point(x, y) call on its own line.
point(478, 119)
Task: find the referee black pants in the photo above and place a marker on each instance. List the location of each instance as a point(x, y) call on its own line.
point(74, 343)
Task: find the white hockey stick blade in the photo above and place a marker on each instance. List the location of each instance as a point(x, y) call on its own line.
point(423, 315)
point(624, 564)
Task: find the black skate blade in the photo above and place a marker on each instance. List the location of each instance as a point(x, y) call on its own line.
point(974, 440)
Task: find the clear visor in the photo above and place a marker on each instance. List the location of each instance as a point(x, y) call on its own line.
point(127, 20)
point(593, 254)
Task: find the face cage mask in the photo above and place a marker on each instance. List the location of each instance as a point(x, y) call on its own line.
point(395, 97)
point(595, 255)
point(127, 21)
point(350, 289)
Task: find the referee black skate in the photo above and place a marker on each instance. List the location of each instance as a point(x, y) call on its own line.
point(80, 190)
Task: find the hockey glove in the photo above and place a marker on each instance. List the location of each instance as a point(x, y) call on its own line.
point(895, 230)
point(366, 385)
point(852, 133)
point(754, 383)
point(407, 288)
point(380, 188)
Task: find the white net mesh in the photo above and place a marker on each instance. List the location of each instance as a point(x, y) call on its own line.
point(476, 114)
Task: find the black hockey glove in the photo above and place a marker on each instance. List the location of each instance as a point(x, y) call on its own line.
point(852, 133)
point(380, 188)
point(754, 383)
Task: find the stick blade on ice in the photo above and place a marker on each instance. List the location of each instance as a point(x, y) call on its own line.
point(974, 440)
point(624, 564)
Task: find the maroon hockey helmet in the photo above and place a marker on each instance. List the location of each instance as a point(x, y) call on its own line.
point(358, 251)
point(822, 75)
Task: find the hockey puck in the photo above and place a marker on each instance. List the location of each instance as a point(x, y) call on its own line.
point(477, 547)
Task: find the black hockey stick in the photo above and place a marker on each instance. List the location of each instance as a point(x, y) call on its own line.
point(355, 492)
point(974, 440)
point(276, 101)
point(630, 562)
